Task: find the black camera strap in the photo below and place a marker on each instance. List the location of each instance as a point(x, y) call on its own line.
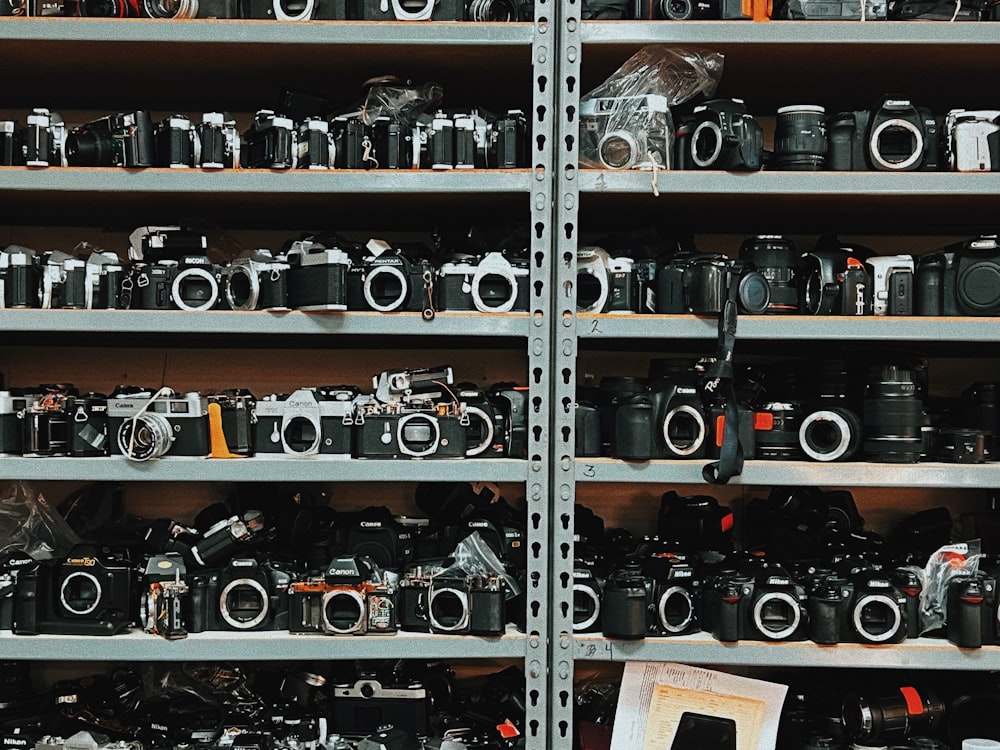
point(719, 383)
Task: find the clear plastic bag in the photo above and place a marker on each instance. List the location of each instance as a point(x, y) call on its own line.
point(474, 557)
point(960, 560)
point(401, 102)
point(625, 123)
point(29, 524)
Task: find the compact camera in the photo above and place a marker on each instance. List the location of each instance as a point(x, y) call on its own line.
point(307, 422)
point(143, 424)
point(245, 595)
point(317, 276)
point(256, 280)
point(721, 134)
point(387, 279)
point(832, 10)
point(630, 132)
point(490, 283)
point(863, 606)
point(973, 140)
point(895, 136)
point(605, 284)
point(760, 603)
point(352, 597)
point(93, 591)
point(119, 140)
point(59, 421)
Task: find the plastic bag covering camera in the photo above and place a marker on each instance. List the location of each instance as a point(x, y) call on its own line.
point(960, 560)
point(625, 123)
point(473, 556)
point(389, 97)
point(30, 525)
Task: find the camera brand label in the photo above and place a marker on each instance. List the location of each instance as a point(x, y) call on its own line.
point(87, 562)
point(877, 584)
point(342, 572)
point(371, 524)
point(158, 727)
point(683, 573)
point(243, 563)
point(15, 741)
point(478, 524)
point(685, 390)
point(582, 574)
point(305, 404)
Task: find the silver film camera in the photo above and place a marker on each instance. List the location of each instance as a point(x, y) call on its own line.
point(631, 132)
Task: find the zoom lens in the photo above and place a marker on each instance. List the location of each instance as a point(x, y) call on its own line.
point(776, 430)
point(800, 142)
point(777, 260)
point(893, 416)
point(145, 437)
point(901, 714)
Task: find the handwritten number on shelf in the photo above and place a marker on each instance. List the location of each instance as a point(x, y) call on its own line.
point(595, 326)
point(589, 470)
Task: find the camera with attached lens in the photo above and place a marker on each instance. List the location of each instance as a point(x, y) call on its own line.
point(759, 601)
point(363, 706)
point(307, 422)
point(895, 136)
point(858, 606)
point(902, 714)
point(973, 140)
point(92, 591)
point(59, 421)
point(352, 597)
point(721, 134)
point(245, 595)
point(270, 142)
point(488, 283)
point(605, 284)
point(387, 279)
point(161, 606)
point(699, 283)
point(216, 142)
point(119, 140)
point(629, 132)
point(776, 259)
point(972, 611)
point(256, 280)
point(467, 604)
point(144, 424)
point(317, 276)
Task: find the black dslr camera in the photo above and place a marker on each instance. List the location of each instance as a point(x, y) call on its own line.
point(692, 282)
point(119, 140)
point(974, 272)
point(673, 594)
point(835, 281)
point(669, 420)
point(352, 597)
point(245, 595)
point(894, 136)
point(972, 611)
point(757, 601)
point(721, 134)
point(858, 606)
point(374, 533)
point(387, 279)
point(93, 591)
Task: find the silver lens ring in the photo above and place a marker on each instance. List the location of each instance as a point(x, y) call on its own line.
point(435, 427)
point(897, 617)
point(402, 14)
point(835, 420)
point(909, 161)
point(92, 579)
point(185, 9)
point(281, 15)
point(197, 273)
point(785, 598)
point(487, 441)
point(463, 599)
point(716, 134)
point(507, 275)
point(699, 420)
point(661, 609)
point(350, 594)
point(623, 136)
point(403, 288)
point(286, 422)
point(145, 437)
point(224, 604)
point(589, 593)
point(252, 281)
point(602, 279)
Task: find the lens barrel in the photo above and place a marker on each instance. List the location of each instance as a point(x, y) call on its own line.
point(777, 260)
point(800, 141)
point(893, 416)
point(905, 713)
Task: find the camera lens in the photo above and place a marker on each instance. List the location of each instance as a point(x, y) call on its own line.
point(449, 609)
point(776, 430)
point(293, 10)
point(677, 10)
point(904, 713)
point(493, 10)
point(145, 437)
point(586, 607)
point(243, 604)
point(385, 289)
point(776, 615)
point(777, 260)
point(343, 611)
point(89, 148)
point(830, 435)
point(301, 435)
point(893, 416)
point(876, 618)
point(619, 149)
point(171, 8)
point(675, 609)
point(800, 141)
point(80, 593)
point(684, 430)
point(896, 145)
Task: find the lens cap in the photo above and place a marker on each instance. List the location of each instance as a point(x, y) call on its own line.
point(754, 293)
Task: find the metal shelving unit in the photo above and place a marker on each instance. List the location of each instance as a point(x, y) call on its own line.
point(315, 56)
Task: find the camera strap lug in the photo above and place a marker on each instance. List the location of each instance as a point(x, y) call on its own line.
point(428, 312)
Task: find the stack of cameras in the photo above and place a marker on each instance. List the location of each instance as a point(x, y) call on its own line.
point(279, 10)
point(803, 568)
point(169, 269)
point(409, 414)
point(797, 10)
point(364, 705)
point(441, 140)
point(895, 135)
point(305, 572)
point(838, 410)
point(772, 276)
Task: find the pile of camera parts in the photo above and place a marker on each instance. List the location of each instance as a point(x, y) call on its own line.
point(772, 276)
point(806, 569)
point(404, 705)
point(169, 268)
point(837, 410)
point(300, 567)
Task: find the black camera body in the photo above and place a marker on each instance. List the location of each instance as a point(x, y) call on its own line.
point(245, 595)
point(390, 280)
point(467, 604)
point(699, 283)
point(350, 598)
point(412, 430)
point(976, 263)
point(834, 282)
point(972, 611)
point(190, 283)
point(93, 591)
point(20, 271)
point(173, 142)
point(217, 142)
point(119, 140)
point(624, 603)
point(270, 142)
point(894, 136)
point(374, 533)
point(674, 592)
point(510, 405)
point(864, 607)
point(934, 280)
point(587, 594)
point(668, 421)
point(721, 134)
point(317, 276)
point(12, 406)
point(760, 605)
point(307, 422)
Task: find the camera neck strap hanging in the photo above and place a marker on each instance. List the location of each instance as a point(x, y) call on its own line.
point(719, 385)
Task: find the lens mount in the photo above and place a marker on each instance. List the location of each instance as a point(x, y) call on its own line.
point(661, 609)
point(494, 267)
point(170, 8)
point(884, 601)
point(354, 596)
point(909, 161)
point(477, 413)
point(594, 268)
point(595, 610)
point(290, 421)
point(90, 579)
point(373, 276)
point(402, 14)
point(618, 149)
point(446, 593)
point(188, 275)
point(687, 412)
point(224, 608)
point(432, 445)
point(252, 296)
point(145, 437)
point(281, 15)
point(706, 127)
point(829, 420)
point(786, 599)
